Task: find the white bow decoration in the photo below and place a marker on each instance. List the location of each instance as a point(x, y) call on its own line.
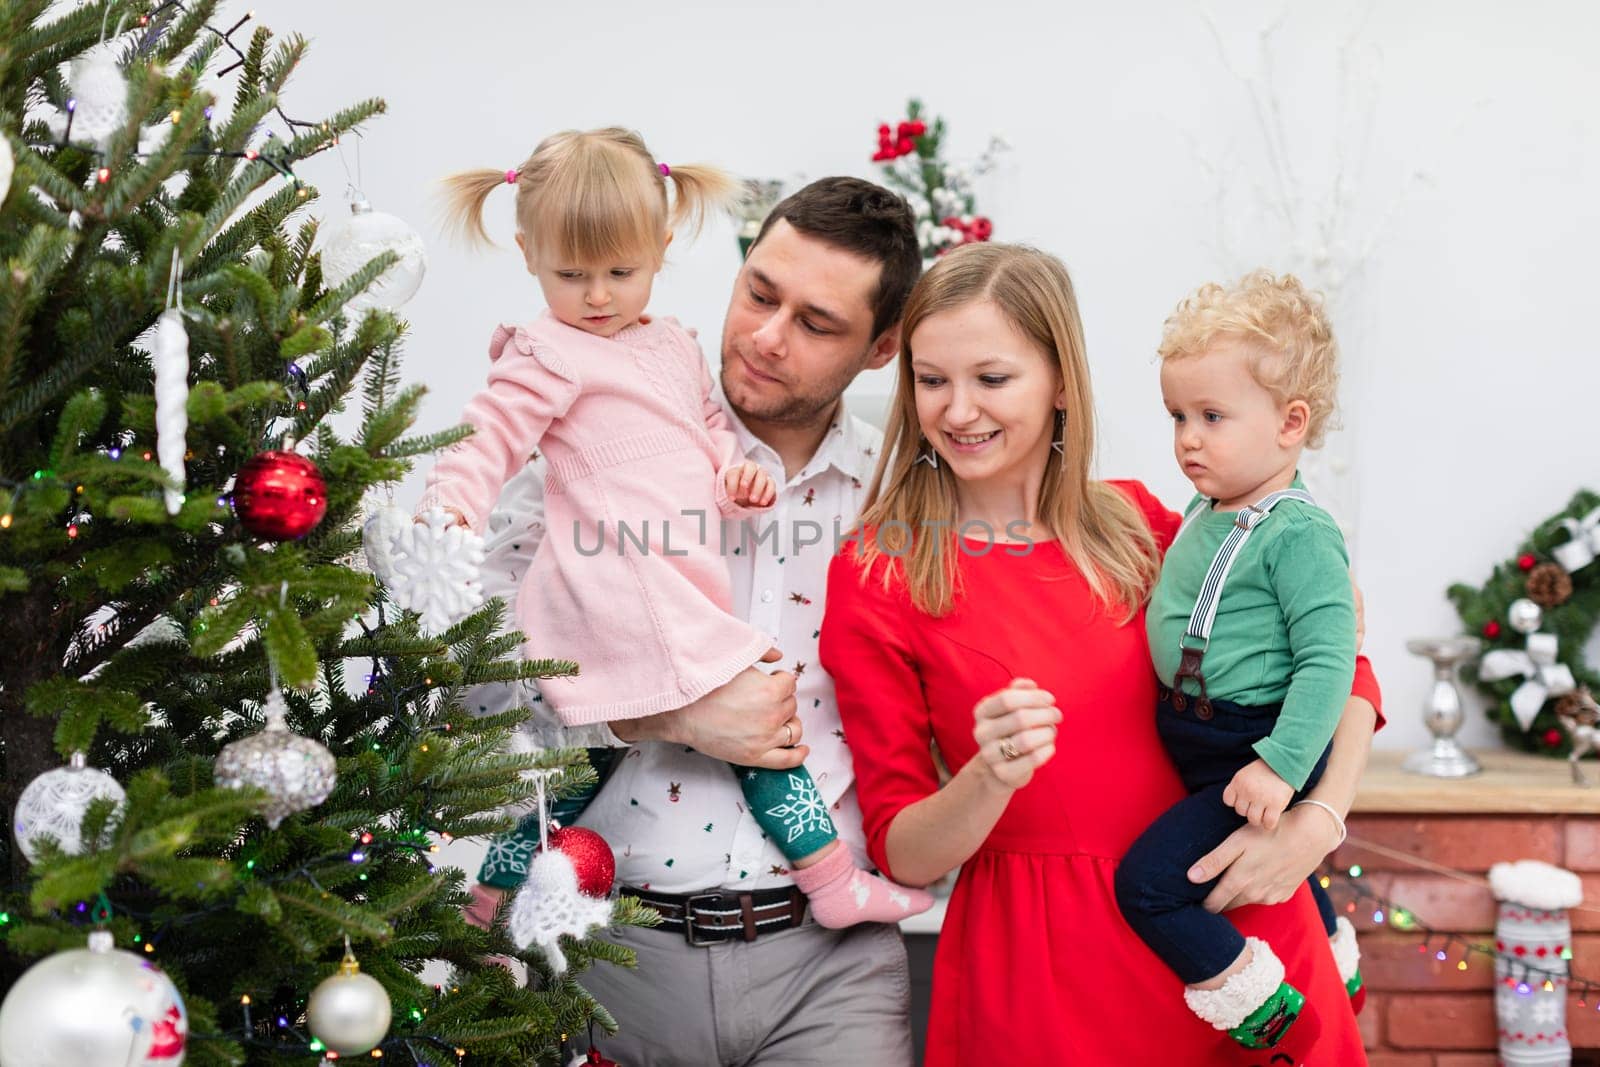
point(1545, 677)
point(1585, 544)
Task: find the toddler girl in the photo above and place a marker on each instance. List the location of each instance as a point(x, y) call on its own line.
point(1254, 675)
point(639, 455)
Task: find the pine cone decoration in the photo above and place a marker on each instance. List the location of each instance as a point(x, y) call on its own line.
point(1549, 585)
point(1567, 706)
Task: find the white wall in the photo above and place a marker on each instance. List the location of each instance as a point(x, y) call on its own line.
point(1469, 340)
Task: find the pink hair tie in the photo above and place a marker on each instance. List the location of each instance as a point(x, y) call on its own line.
point(666, 171)
point(511, 177)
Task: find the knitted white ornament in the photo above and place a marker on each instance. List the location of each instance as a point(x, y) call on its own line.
point(436, 565)
point(170, 354)
point(549, 905)
point(100, 92)
point(384, 524)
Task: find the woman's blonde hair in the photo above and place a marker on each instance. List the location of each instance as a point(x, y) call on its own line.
point(592, 196)
point(1100, 530)
point(1295, 356)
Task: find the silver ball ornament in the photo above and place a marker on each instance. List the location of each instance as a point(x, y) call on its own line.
point(1524, 615)
point(93, 1007)
point(297, 772)
point(352, 241)
point(54, 804)
point(349, 1011)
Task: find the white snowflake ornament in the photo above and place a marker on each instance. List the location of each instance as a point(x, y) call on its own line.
point(436, 565)
point(384, 524)
point(549, 905)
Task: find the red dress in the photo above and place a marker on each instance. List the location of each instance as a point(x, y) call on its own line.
point(1035, 964)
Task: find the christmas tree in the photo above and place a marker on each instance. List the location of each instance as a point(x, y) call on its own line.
point(162, 598)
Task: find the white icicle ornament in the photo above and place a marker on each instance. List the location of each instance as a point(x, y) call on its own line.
point(170, 354)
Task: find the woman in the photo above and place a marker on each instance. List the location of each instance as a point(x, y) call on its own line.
point(993, 605)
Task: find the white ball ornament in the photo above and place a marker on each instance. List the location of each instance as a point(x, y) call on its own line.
point(93, 1007)
point(7, 166)
point(349, 1011)
point(352, 241)
point(53, 805)
point(1524, 615)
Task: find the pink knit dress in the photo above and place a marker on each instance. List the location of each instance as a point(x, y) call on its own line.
point(629, 580)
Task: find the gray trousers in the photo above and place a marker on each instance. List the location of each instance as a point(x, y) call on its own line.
point(806, 997)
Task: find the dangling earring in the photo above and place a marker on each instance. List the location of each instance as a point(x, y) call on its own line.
point(1058, 446)
point(927, 455)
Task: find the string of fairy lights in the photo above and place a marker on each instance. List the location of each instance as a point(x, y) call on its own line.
point(1512, 970)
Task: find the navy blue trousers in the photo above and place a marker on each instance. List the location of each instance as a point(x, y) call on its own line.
point(1153, 888)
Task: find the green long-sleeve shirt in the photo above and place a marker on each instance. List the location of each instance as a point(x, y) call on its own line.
point(1285, 628)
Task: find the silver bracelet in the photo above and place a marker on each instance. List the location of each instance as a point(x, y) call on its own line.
point(1329, 809)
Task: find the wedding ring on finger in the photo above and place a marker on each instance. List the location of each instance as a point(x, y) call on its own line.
point(1009, 750)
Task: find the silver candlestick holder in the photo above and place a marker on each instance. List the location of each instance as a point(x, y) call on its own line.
point(1445, 758)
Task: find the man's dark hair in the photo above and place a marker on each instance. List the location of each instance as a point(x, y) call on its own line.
point(868, 220)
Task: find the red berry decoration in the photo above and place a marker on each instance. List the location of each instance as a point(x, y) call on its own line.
point(1552, 737)
point(280, 495)
point(1491, 629)
point(591, 857)
point(1526, 561)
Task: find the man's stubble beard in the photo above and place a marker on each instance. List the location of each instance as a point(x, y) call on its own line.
point(794, 409)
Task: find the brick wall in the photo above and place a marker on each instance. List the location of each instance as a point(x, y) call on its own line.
point(1422, 1012)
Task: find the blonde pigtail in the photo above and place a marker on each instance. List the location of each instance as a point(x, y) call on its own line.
point(464, 195)
point(701, 191)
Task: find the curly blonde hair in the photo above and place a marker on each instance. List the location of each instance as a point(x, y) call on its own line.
point(1286, 325)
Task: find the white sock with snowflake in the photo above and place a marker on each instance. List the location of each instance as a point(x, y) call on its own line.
point(841, 894)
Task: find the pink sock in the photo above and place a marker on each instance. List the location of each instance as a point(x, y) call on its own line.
point(842, 895)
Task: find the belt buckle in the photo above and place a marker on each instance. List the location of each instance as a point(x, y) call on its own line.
point(688, 917)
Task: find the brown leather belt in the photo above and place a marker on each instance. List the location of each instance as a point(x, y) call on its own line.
point(724, 914)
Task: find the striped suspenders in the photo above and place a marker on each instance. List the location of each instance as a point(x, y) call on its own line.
point(1197, 636)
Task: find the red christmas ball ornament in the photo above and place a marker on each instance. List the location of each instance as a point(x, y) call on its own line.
point(1526, 561)
point(280, 495)
point(1491, 629)
point(591, 857)
point(596, 1060)
point(1552, 737)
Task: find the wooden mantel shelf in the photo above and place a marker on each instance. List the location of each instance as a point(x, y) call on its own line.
point(1511, 783)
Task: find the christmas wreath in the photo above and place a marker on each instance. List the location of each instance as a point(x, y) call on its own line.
point(1535, 615)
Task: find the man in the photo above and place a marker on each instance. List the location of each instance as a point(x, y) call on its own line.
point(752, 981)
